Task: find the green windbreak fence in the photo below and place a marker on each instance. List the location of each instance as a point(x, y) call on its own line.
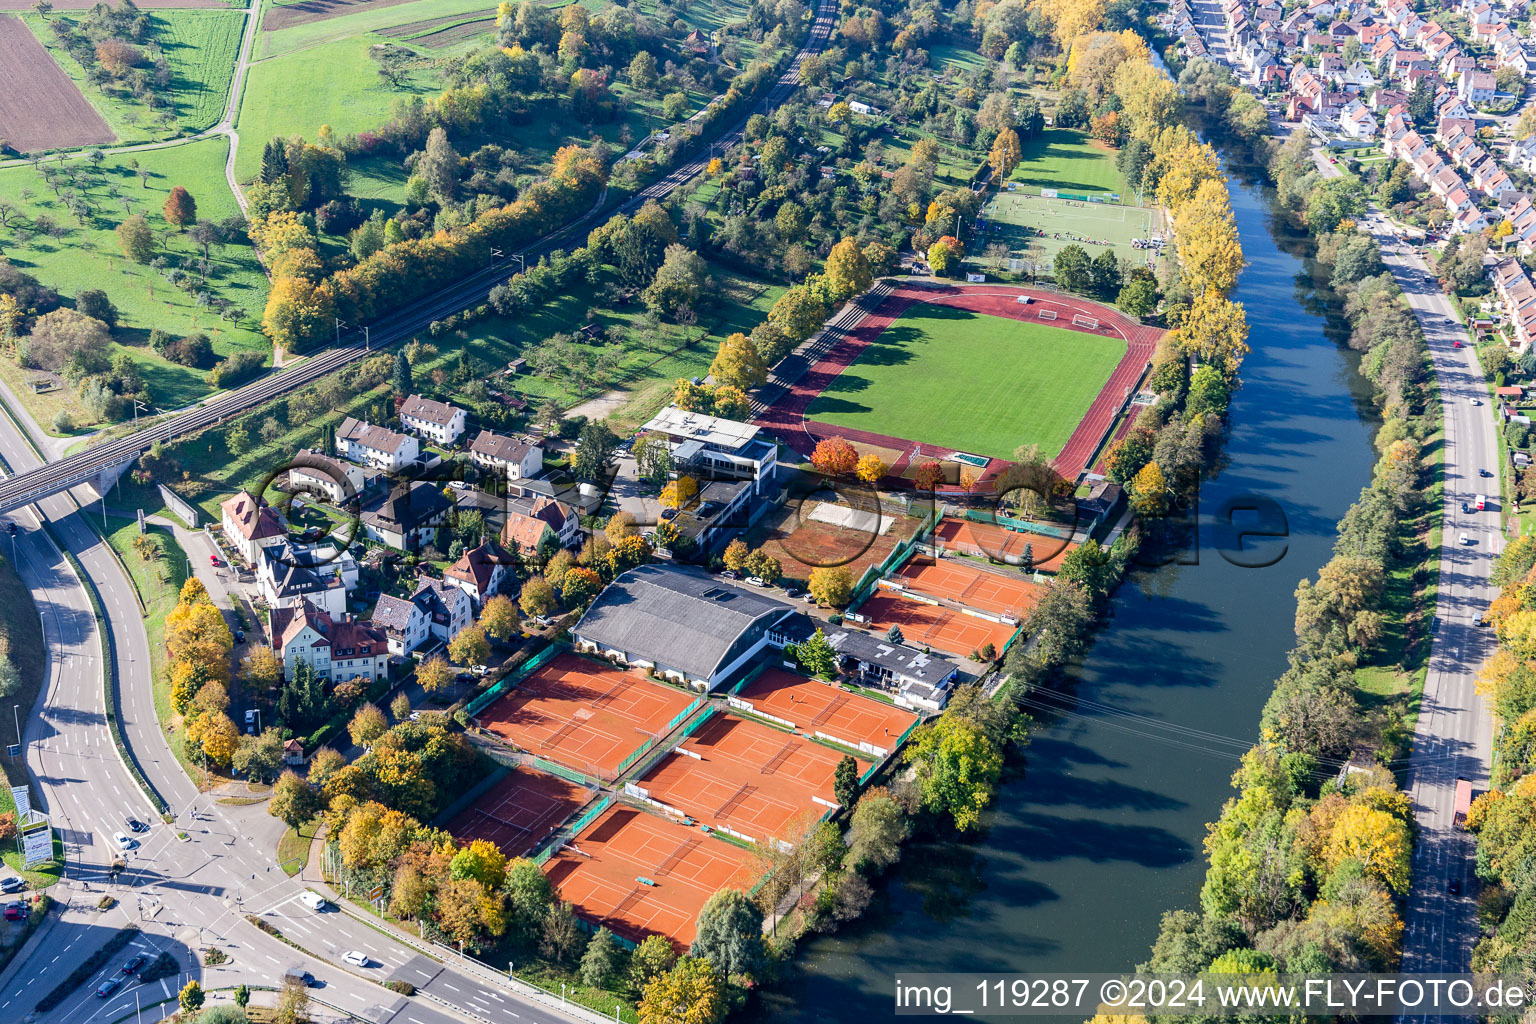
point(561, 770)
point(531, 665)
point(891, 562)
point(1016, 525)
point(639, 752)
point(544, 855)
point(753, 673)
point(592, 812)
point(693, 727)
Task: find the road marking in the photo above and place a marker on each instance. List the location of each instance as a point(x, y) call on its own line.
point(445, 984)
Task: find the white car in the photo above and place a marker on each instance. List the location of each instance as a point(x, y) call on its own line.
point(313, 900)
point(354, 958)
point(123, 842)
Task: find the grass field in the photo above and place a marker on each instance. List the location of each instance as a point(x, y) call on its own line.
point(975, 383)
point(331, 83)
point(89, 256)
point(1036, 229)
point(201, 46)
point(365, 20)
point(1068, 160)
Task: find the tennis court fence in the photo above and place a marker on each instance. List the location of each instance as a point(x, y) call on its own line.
point(509, 681)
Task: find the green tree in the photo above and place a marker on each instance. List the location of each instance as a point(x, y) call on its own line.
point(1105, 269)
point(594, 447)
point(1138, 296)
point(529, 894)
point(642, 71)
point(134, 235)
point(876, 831)
point(957, 768)
point(190, 998)
point(294, 802)
point(1074, 269)
point(845, 781)
point(730, 934)
point(260, 758)
point(650, 960)
point(1088, 566)
point(274, 161)
point(242, 995)
point(400, 377)
point(817, 657)
point(601, 962)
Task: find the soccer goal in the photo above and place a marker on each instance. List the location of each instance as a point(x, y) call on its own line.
point(1086, 321)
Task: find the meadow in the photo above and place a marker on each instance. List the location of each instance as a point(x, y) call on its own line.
point(978, 384)
point(201, 46)
point(76, 256)
point(1069, 160)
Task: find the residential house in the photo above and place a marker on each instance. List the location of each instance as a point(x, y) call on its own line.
point(1356, 121)
point(481, 572)
point(436, 421)
point(376, 446)
point(338, 647)
point(408, 517)
point(1475, 87)
point(405, 624)
point(522, 532)
point(250, 524)
point(314, 472)
point(513, 457)
point(448, 609)
point(322, 574)
point(1469, 220)
point(1522, 154)
point(1518, 296)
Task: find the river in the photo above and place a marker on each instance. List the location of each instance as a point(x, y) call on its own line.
point(1102, 830)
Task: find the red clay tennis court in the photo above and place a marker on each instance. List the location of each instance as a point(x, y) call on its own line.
point(599, 873)
point(950, 631)
point(816, 707)
point(520, 811)
point(985, 540)
point(755, 780)
point(583, 714)
point(982, 589)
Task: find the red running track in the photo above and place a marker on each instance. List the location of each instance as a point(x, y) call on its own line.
point(786, 417)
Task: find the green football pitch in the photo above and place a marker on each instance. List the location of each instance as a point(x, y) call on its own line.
point(975, 383)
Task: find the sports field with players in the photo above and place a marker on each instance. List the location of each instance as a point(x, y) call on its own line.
point(1036, 228)
point(977, 383)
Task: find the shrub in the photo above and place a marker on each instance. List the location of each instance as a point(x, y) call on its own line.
point(94, 302)
point(194, 350)
point(404, 988)
point(238, 368)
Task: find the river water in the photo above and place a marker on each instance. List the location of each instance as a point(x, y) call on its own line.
point(1101, 831)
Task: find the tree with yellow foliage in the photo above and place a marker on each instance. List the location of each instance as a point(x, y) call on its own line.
point(1148, 98)
point(738, 362)
point(434, 674)
point(1210, 254)
point(197, 632)
point(848, 269)
point(870, 468)
point(1149, 492)
point(1378, 840)
point(217, 735)
point(1096, 56)
point(1185, 167)
point(1517, 635)
point(692, 992)
point(1005, 154)
point(1070, 18)
point(1215, 331)
point(679, 492)
point(298, 313)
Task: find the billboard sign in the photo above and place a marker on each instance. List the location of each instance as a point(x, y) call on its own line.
point(37, 846)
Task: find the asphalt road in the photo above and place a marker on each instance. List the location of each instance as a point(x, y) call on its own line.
point(1453, 735)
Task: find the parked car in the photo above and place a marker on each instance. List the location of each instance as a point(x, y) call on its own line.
point(250, 716)
point(756, 581)
point(109, 986)
point(1456, 344)
point(730, 574)
point(12, 883)
point(213, 559)
point(355, 958)
point(239, 636)
point(134, 963)
point(15, 911)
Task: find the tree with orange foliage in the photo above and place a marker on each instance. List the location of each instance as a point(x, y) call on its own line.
point(928, 476)
point(180, 208)
point(834, 456)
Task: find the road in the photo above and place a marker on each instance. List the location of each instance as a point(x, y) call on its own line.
point(1453, 735)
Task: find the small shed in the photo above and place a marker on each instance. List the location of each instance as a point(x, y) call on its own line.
point(517, 365)
point(293, 752)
